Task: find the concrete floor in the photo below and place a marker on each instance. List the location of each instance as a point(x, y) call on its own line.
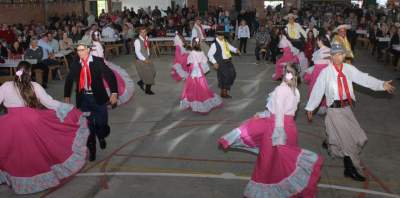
point(156, 150)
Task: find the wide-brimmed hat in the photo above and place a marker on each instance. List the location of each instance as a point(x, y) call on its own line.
point(337, 48)
point(345, 26)
point(84, 42)
point(290, 15)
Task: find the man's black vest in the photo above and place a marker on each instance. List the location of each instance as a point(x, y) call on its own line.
point(218, 53)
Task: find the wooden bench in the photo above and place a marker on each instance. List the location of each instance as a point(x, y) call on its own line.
point(115, 47)
point(363, 41)
point(51, 70)
point(167, 45)
point(38, 75)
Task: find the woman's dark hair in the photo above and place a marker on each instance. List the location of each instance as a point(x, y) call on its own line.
point(195, 44)
point(95, 36)
point(20, 49)
point(25, 87)
point(324, 39)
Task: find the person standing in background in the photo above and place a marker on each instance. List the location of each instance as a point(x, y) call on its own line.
point(243, 35)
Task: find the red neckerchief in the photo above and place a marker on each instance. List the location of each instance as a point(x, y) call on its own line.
point(85, 69)
point(342, 82)
point(146, 42)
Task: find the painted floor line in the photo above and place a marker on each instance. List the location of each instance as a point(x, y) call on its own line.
point(228, 176)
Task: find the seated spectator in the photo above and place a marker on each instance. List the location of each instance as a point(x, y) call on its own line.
point(48, 52)
point(7, 34)
point(3, 48)
point(382, 45)
point(36, 52)
point(127, 36)
point(263, 39)
point(109, 32)
point(16, 50)
point(274, 49)
point(75, 34)
point(395, 41)
point(65, 42)
point(54, 44)
point(28, 36)
point(313, 29)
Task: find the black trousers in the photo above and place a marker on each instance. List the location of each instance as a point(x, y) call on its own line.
point(226, 74)
point(243, 45)
point(127, 44)
point(380, 47)
point(45, 69)
point(274, 50)
point(49, 62)
point(395, 57)
point(374, 43)
point(298, 43)
point(98, 119)
point(352, 38)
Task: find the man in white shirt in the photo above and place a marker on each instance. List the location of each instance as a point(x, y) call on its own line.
point(54, 44)
point(44, 44)
point(108, 32)
point(145, 67)
point(345, 137)
point(295, 32)
point(198, 31)
point(220, 55)
point(48, 52)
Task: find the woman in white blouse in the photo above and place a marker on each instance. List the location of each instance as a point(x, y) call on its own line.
point(282, 169)
point(43, 141)
point(243, 35)
point(66, 42)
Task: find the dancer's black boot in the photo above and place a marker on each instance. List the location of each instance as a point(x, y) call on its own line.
point(350, 170)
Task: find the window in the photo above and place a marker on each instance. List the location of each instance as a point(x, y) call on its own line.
point(273, 3)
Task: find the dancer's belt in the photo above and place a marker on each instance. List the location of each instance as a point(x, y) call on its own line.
point(226, 60)
point(338, 104)
point(87, 92)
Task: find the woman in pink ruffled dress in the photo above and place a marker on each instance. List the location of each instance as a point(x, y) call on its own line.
point(289, 56)
point(125, 83)
point(179, 70)
point(321, 60)
point(43, 141)
point(196, 94)
point(282, 169)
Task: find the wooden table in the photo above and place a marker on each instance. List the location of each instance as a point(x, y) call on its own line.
point(11, 64)
point(111, 44)
point(168, 42)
